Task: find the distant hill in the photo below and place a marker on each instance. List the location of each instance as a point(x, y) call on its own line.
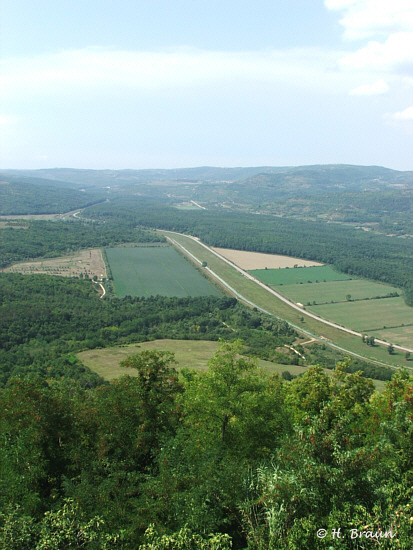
point(333, 192)
point(324, 179)
point(99, 178)
point(331, 177)
point(23, 195)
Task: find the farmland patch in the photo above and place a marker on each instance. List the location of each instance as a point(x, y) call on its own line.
point(400, 335)
point(337, 291)
point(79, 264)
point(256, 260)
point(298, 275)
point(149, 271)
point(368, 315)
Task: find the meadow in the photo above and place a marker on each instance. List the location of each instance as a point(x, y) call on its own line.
point(298, 275)
point(336, 291)
point(149, 271)
point(368, 315)
point(190, 354)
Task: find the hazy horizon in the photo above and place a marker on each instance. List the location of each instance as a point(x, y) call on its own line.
point(138, 85)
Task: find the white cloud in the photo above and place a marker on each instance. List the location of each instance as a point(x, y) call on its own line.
point(377, 88)
point(407, 114)
point(368, 18)
point(98, 70)
point(394, 54)
point(388, 55)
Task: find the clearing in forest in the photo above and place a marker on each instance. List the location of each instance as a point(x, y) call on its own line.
point(287, 276)
point(81, 263)
point(191, 354)
point(156, 270)
point(257, 260)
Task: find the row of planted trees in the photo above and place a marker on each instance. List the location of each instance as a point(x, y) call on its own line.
point(230, 457)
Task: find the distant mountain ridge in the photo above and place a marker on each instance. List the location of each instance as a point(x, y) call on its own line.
point(335, 192)
point(329, 176)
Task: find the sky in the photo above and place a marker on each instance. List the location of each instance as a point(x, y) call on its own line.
point(179, 83)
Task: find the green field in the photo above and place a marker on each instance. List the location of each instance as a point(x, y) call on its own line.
point(290, 276)
point(336, 291)
point(368, 315)
point(191, 354)
point(262, 298)
point(400, 335)
point(149, 271)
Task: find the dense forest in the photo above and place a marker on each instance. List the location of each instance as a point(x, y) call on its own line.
point(229, 458)
point(45, 319)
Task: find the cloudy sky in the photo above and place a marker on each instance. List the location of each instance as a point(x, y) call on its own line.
point(178, 83)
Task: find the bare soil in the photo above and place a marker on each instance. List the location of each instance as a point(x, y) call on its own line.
point(85, 262)
point(256, 260)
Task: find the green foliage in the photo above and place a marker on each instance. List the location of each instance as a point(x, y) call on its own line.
point(234, 403)
point(59, 529)
point(259, 462)
point(344, 467)
point(184, 539)
point(43, 319)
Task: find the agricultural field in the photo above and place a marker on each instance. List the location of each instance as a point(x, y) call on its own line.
point(191, 354)
point(336, 291)
point(368, 315)
point(286, 276)
point(79, 264)
point(256, 260)
point(400, 335)
point(149, 271)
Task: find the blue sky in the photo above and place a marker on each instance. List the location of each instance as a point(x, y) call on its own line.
point(164, 84)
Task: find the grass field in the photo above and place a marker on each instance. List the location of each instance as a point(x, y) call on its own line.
point(335, 291)
point(298, 275)
point(148, 271)
point(368, 315)
point(400, 335)
point(191, 354)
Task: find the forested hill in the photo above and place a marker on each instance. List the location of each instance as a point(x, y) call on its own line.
point(293, 179)
point(93, 178)
point(321, 179)
point(24, 195)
